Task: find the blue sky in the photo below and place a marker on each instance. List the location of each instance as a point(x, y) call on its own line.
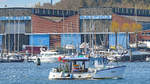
point(22, 3)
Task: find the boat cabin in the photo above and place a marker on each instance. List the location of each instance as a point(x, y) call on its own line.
point(73, 65)
point(48, 53)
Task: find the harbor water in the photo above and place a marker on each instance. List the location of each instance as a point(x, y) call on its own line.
point(30, 73)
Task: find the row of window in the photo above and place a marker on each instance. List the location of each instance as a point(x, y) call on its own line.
point(51, 12)
point(146, 40)
point(146, 34)
point(131, 11)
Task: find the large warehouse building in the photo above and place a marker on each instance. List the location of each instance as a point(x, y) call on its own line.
point(57, 28)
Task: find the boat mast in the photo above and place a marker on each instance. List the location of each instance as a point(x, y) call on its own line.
point(136, 36)
point(18, 34)
point(8, 32)
point(85, 49)
point(14, 35)
point(116, 41)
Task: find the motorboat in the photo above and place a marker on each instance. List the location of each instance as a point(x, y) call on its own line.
point(79, 68)
point(115, 55)
point(12, 57)
point(69, 69)
point(47, 56)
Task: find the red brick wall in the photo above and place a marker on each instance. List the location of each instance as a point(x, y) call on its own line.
point(121, 21)
point(42, 25)
point(55, 41)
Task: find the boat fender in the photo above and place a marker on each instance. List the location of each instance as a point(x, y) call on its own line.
point(88, 76)
point(62, 74)
point(95, 71)
point(71, 76)
point(59, 58)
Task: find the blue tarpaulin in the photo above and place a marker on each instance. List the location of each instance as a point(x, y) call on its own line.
point(1, 42)
point(121, 40)
point(71, 39)
point(40, 40)
point(145, 26)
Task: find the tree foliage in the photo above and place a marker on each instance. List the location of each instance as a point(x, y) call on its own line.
point(76, 4)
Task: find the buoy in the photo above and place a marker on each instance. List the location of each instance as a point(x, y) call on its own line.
point(59, 58)
point(38, 61)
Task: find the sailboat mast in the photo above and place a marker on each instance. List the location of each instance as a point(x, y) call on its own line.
point(116, 41)
point(8, 31)
point(14, 35)
point(92, 36)
point(127, 39)
point(18, 35)
point(136, 39)
point(84, 26)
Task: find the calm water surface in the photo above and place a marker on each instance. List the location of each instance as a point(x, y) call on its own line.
point(29, 73)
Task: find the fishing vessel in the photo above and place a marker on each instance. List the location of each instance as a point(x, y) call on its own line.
point(79, 68)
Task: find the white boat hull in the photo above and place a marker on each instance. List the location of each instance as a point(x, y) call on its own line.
point(66, 76)
point(109, 73)
point(114, 72)
point(50, 59)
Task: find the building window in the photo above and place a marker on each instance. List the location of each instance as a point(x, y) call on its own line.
point(124, 10)
point(147, 33)
point(141, 12)
point(55, 12)
point(43, 11)
point(143, 33)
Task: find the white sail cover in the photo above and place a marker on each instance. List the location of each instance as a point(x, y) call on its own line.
point(70, 46)
point(84, 45)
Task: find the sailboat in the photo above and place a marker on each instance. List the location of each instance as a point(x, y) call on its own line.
point(47, 56)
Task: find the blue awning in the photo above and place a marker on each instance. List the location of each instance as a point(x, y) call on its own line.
point(15, 18)
point(109, 17)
